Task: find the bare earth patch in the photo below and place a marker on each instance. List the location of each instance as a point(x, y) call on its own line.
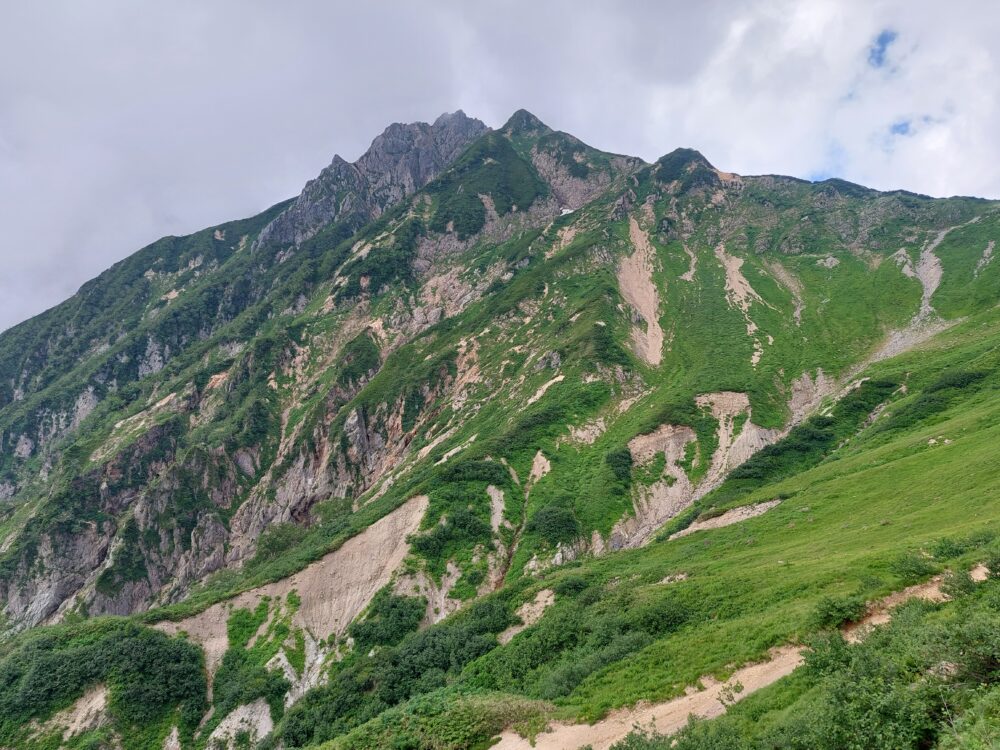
point(458, 448)
point(588, 433)
point(438, 439)
point(530, 613)
point(740, 296)
point(544, 387)
point(792, 284)
point(688, 275)
point(440, 604)
point(733, 449)
point(736, 515)
point(565, 236)
point(333, 590)
point(254, 719)
point(89, 711)
point(540, 466)
point(635, 280)
point(666, 497)
point(987, 257)
point(468, 374)
point(904, 262)
point(496, 506)
point(929, 271)
point(925, 324)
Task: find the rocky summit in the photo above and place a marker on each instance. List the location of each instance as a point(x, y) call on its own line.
point(494, 439)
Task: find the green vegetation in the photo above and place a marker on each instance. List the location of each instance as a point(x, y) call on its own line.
point(385, 264)
point(360, 357)
point(888, 691)
point(444, 720)
point(361, 687)
point(686, 166)
point(388, 620)
point(806, 445)
point(833, 612)
point(490, 167)
point(255, 637)
point(152, 681)
point(129, 564)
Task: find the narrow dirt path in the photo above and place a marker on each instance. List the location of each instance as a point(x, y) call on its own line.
point(711, 700)
point(664, 718)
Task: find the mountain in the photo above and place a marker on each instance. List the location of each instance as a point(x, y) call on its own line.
point(491, 430)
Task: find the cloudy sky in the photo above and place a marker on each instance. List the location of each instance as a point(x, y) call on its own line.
point(122, 121)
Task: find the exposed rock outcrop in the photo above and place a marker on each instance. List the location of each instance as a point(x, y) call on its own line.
point(399, 162)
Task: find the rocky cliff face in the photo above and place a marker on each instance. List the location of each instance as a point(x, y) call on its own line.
point(400, 161)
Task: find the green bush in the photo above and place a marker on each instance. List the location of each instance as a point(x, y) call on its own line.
point(445, 720)
point(957, 584)
point(620, 461)
point(388, 620)
point(913, 568)
point(359, 357)
point(275, 540)
point(947, 548)
point(461, 528)
point(834, 611)
point(361, 687)
point(570, 585)
point(242, 679)
point(554, 524)
point(149, 677)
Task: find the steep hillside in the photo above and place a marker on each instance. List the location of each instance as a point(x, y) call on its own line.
point(491, 429)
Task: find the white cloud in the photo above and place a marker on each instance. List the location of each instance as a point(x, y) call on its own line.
point(120, 123)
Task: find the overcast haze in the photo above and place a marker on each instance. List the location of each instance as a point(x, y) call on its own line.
point(122, 121)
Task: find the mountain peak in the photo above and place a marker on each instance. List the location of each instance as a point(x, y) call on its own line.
point(685, 156)
point(446, 119)
point(687, 166)
point(401, 160)
point(523, 122)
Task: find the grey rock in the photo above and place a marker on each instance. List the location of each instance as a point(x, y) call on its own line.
point(399, 162)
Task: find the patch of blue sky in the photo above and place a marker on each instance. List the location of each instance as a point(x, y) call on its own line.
point(877, 53)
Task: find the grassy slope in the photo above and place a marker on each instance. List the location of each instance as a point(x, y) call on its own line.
point(839, 531)
point(848, 526)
